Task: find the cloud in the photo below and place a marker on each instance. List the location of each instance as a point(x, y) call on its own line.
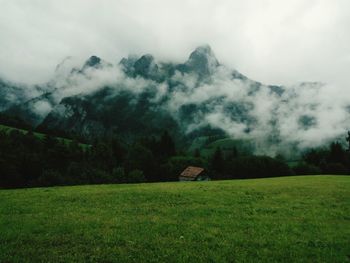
point(275, 42)
point(42, 108)
point(305, 115)
point(271, 41)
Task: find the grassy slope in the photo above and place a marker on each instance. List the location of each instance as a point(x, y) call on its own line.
point(291, 219)
point(39, 135)
point(226, 144)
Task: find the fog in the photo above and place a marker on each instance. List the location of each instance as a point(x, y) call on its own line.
point(275, 42)
point(279, 117)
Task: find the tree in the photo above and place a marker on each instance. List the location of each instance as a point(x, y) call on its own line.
point(306, 169)
point(348, 140)
point(197, 153)
point(118, 149)
point(50, 178)
point(103, 157)
point(217, 163)
point(167, 145)
point(233, 154)
point(316, 156)
point(141, 158)
point(9, 175)
point(50, 141)
point(118, 175)
point(135, 176)
point(257, 167)
point(336, 153)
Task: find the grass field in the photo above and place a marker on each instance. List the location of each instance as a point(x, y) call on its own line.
point(290, 219)
point(40, 136)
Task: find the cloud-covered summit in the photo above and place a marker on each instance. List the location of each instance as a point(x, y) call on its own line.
point(196, 97)
point(272, 41)
point(203, 61)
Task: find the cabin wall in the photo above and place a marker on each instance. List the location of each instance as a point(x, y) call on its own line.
point(186, 179)
point(203, 178)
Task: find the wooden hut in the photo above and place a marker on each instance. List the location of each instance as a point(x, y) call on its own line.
point(192, 173)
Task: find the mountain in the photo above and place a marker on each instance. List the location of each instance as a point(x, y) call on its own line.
point(127, 110)
point(12, 94)
point(141, 96)
point(202, 61)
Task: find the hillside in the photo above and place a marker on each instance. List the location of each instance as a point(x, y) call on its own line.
point(198, 97)
point(40, 136)
point(290, 219)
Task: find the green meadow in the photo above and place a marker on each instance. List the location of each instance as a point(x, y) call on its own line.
point(287, 219)
point(40, 136)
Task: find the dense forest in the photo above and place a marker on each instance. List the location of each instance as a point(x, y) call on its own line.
point(29, 161)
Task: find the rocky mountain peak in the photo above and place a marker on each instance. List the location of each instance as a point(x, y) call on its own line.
point(145, 66)
point(93, 61)
point(202, 60)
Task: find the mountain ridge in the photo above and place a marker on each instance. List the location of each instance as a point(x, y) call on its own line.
point(100, 98)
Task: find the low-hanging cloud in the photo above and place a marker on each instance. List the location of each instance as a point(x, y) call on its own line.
point(324, 111)
point(304, 115)
point(272, 41)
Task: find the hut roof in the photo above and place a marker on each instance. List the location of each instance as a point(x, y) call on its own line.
point(192, 172)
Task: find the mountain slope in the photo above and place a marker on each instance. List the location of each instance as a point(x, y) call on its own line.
point(156, 87)
point(199, 97)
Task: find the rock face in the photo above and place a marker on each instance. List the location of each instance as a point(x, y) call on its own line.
point(202, 61)
point(145, 66)
point(9, 95)
point(142, 96)
point(154, 96)
point(12, 94)
point(93, 61)
point(104, 112)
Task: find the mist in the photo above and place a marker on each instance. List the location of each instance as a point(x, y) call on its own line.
point(271, 41)
point(305, 115)
point(302, 45)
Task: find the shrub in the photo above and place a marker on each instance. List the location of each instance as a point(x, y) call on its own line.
point(50, 178)
point(119, 175)
point(336, 168)
point(305, 169)
point(136, 176)
point(256, 167)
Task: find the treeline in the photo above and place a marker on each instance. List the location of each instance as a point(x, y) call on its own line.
point(18, 123)
point(28, 161)
point(14, 122)
point(327, 160)
point(234, 166)
point(332, 160)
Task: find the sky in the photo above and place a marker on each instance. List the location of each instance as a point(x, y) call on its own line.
point(272, 41)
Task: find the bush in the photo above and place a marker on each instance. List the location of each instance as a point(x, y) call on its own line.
point(9, 176)
point(136, 176)
point(256, 167)
point(50, 178)
point(119, 175)
point(336, 168)
point(101, 177)
point(307, 169)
